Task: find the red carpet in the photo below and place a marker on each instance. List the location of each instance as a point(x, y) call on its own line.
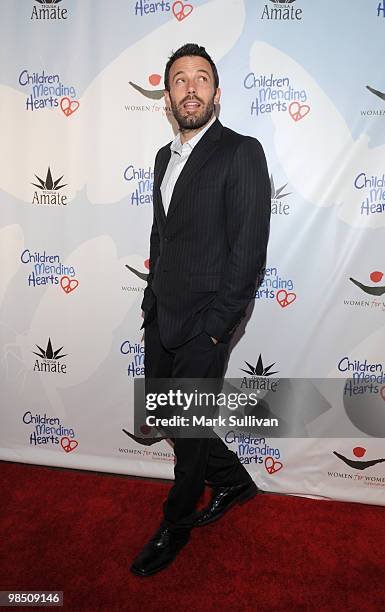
point(77, 532)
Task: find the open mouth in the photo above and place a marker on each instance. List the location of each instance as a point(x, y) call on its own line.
point(191, 106)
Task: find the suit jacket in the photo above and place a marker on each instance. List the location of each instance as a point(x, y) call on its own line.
point(207, 255)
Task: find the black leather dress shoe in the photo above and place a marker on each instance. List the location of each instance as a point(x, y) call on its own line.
point(160, 551)
point(223, 499)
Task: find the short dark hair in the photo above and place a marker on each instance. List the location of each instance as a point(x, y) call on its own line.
point(189, 49)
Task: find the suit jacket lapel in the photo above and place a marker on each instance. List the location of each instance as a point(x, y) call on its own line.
point(163, 163)
point(204, 148)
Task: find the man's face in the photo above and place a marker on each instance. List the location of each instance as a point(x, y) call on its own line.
point(192, 92)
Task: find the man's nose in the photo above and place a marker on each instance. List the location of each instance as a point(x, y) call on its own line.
point(191, 87)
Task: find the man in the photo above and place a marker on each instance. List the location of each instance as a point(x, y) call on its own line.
point(207, 249)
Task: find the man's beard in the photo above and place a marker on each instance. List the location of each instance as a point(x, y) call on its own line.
point(192, 121)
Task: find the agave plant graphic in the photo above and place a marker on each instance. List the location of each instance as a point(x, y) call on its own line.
point(49, 184)
point(48, 1)
point(49, 353)
point(259, 369)
point(276, 194)
point(282, 1)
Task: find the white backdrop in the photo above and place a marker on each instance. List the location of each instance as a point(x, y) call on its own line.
point(81, 118)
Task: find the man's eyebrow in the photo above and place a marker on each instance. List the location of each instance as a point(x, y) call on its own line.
point(183, 72)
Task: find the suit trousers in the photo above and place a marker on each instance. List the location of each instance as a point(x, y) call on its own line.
point(197, 459)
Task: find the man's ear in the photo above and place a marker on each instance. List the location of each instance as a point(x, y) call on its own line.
point(217, 96)
point(167, 98)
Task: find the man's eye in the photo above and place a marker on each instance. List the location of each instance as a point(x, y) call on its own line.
point(203, 78)
point(179, 80)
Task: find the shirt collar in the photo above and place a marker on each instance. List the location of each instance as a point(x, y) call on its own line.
point(177, 147)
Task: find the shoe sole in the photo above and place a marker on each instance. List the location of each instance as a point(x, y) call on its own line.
point(246, 496)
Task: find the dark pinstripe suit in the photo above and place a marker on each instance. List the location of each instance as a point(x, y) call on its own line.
point(206, 255)
point(205, 259)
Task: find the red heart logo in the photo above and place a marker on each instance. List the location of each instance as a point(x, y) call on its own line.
point(298, 111)
point(68, 445)
point(272, 466)
point(68, 284)
point(382, 392)
point(181, 10)
point(69, 106)
point(284, 298)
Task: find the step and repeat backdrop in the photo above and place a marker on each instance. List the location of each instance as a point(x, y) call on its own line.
point(82, 116)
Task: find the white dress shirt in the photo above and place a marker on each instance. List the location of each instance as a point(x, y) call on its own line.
point(179, 156)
